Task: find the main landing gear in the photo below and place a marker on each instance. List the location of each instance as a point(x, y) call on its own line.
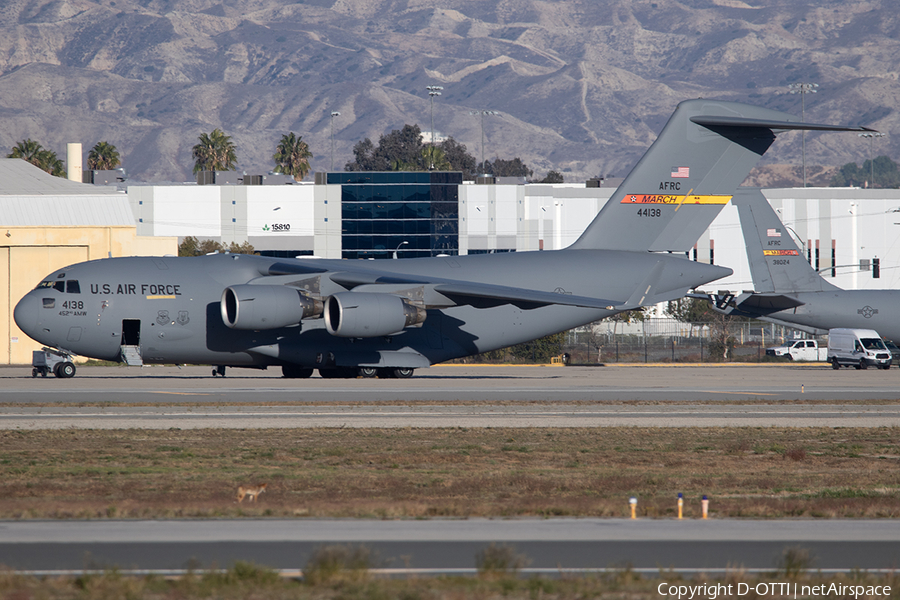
point(219, 370)
point(366, 372)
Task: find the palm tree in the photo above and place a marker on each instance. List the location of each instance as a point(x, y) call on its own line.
point(292, 156)
point(103, 157)
point(27, 149)
point(32, 152)
point(429, 158)
point(215, 152)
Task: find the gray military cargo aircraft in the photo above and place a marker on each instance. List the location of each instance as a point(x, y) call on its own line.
point(788, 291)
point(386, 318)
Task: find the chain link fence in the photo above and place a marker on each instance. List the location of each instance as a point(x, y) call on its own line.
point(665, 340)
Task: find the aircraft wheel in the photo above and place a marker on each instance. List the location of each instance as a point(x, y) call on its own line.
point(65, 370)
point(328, 373)
point(835, 364)
point(34, 372)
point(403, 372)
point(368, 372)
point(296, 372)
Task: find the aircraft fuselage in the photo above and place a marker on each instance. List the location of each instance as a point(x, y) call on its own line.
point(854, 309)
point(170, 308)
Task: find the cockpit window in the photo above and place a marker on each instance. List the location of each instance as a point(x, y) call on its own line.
point(67, 287)
point(59, 286)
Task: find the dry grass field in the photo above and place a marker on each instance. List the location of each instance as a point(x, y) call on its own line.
point(253, 583)
point(748, 472)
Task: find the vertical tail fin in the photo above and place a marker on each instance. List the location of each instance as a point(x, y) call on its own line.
point(680, 185)
point(776, 264)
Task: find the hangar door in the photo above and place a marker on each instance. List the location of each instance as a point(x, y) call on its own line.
point(21, 269)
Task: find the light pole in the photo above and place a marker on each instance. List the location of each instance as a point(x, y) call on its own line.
point(433, 90)
point(871, 135)
point(803, 89)
point(397, 249)
point(483, 113)
point(334, 114)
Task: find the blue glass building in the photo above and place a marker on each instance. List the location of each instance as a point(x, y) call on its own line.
point(382, 210)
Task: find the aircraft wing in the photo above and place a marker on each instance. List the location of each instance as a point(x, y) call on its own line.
point(481, 295)
point(449, 292)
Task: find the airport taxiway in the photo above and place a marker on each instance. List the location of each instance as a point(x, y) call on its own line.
point(450, 545)
point(456, 396)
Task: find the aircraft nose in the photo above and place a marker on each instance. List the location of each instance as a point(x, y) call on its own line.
point(26, 314)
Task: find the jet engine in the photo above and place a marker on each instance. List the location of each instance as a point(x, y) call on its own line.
point(266, 306)
point(362, 315)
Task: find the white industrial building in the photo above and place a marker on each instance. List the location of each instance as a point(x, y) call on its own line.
point(305, 219)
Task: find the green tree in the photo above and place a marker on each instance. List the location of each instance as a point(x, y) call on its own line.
point(191, 246)
point(27, 149)
point(103, 157)
point(885, 171)
point(365, 159)
point(398, 148)
point(32, 152)
point(507, 168)
point(215, 152)
point(430, 158)
point(403, 150)
point(459, 158)
point(540, 350)
point(292, 156)
point(552, 177)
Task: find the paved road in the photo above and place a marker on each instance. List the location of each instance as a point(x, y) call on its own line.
point(165, 397)
point(161, 385)
point(448, 545)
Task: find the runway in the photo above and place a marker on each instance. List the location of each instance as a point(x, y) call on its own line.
point(448, 384)
point(440, 545)
point(455, 396)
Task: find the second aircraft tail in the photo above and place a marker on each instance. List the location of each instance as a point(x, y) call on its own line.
point(776, 263)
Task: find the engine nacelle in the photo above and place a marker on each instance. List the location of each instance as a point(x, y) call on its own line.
point(266, 306)
point(362, 315)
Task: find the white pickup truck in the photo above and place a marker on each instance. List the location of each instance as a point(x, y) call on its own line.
point(800, 350)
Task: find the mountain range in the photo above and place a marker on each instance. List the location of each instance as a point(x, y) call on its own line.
point(581, 86)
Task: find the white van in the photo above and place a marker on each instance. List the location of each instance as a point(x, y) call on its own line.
point(859, 348)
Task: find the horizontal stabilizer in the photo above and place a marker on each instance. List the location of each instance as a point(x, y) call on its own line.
point(717, 121)
point(749, 304)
